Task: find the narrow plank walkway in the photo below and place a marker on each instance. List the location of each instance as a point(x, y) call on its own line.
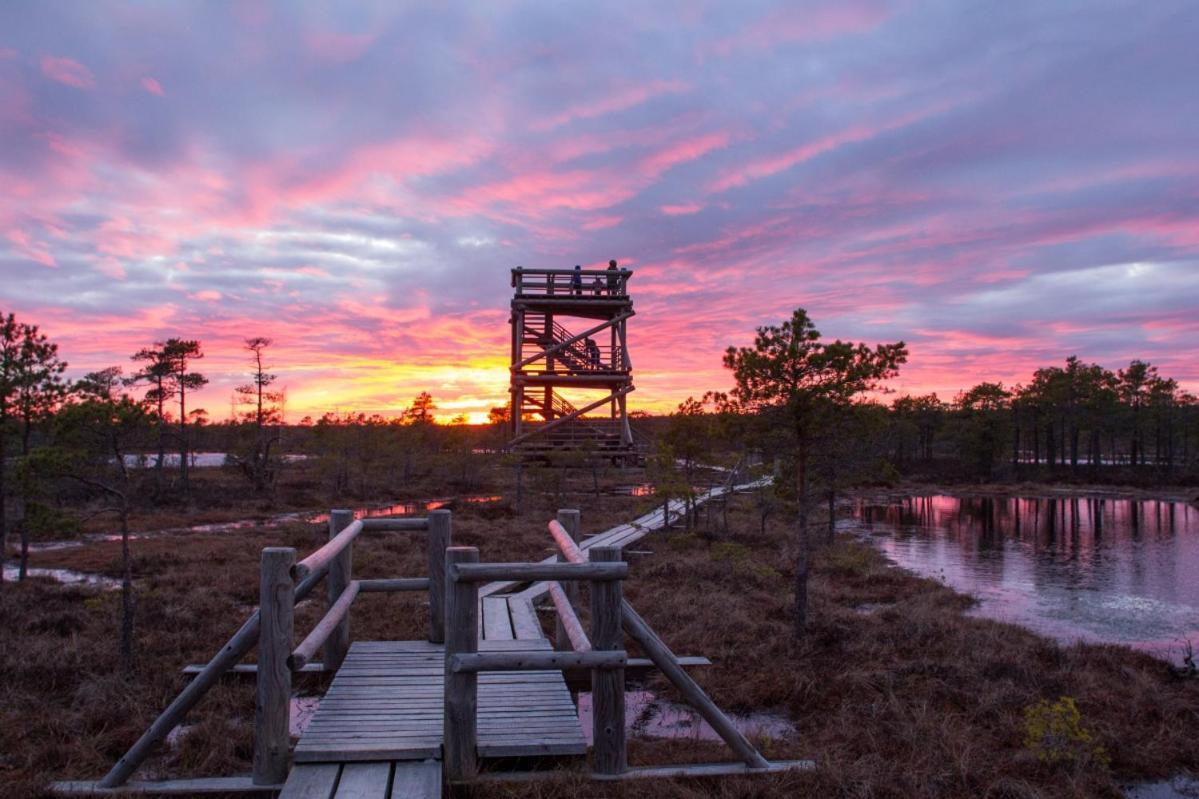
point(378, 731)
point(381, 780)
point(386, 703)
point(621, 535)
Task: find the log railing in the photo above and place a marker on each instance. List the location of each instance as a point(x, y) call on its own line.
point(284, 582)
point(565, 532)
point(463, 661)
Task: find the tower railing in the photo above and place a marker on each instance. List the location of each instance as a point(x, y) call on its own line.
point(593, 283)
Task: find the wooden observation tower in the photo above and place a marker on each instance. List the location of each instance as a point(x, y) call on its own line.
point(568, 332)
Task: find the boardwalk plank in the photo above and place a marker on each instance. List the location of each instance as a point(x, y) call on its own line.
point(363, 781)
point(417, 780)
point(497, 625)
point(386, 704)
point(524, 619)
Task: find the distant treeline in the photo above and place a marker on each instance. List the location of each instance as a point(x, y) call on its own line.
point(1078, 417)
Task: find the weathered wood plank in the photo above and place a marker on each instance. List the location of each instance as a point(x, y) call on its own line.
point(363, 781)
point(395, 524)
point(608, 749)
point(665, 660)
point(707, 770)
point(328, 631)
point(653, 772)
point(461, 690)
point(416, 780)
point(251, 668)
point(439, 538)
point(529, 572)
point(273, 696)
point(496, 623)
point(542, 661)
point(336, 637)
point(392, 707)
point(393, 585)
point(311, 781)
point(321, 560)
point(197, 786)
point(525, 623)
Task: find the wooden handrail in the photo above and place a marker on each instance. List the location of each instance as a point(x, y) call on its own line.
point(306, 651)
point(393, 584)
point(318, 562)
point(245, 639)
point(666, 661)
point(537, 661)
point(570, 550)
point(524, 270)
point(569, 619)
point(535, 572)
point(395, 524)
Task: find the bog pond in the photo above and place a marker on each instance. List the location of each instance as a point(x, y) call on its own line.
point(1111, 570)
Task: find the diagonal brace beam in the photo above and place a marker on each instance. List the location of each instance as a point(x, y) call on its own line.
point(573, 415)
point(561, 344)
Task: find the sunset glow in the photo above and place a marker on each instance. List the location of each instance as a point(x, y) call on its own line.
point(1001, 186)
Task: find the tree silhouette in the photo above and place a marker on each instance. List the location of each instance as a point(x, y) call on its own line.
point(31, 388)
point(179, 354)
point(264, 414)
point(797, 379)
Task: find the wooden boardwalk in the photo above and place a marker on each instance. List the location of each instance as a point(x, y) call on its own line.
point(381, 730)
point(621, 535)
point(373, 780)
point(386, 703)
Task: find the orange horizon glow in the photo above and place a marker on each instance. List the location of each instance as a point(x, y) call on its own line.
point(266, 175)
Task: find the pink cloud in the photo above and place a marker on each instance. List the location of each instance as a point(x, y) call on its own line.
point(682, 209)
point(111, 267)
point(206, 296)
point(152, 86)
point(31, 249)
point(684, 151)
point(619, 100)
point(599, 223)
point(1002, 275)
point(68, 71)
point(780, 162)
point(803, 24)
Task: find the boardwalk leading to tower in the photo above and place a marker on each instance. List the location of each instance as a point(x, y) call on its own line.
point(386, 703)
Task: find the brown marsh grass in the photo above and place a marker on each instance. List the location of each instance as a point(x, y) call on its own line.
point(894, 692)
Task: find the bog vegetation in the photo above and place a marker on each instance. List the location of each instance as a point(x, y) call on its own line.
point(115, 449)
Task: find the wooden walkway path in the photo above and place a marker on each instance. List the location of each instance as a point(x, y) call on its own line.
point(378, 730)
point(386, 704)
point(619, 536)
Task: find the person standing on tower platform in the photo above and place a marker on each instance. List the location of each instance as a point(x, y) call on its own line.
point(613, 278)
point(576, 281)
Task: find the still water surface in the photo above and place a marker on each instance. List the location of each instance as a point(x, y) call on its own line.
point(1114, 570)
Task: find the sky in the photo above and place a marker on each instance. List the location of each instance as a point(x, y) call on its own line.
point(1000, 185)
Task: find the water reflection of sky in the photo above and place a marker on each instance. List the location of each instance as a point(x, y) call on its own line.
point(1098, 569)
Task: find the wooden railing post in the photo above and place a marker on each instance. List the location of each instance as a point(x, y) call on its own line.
point(607, 685)
point(272, 708)
point(569, 519)
point(339, 578)
point(438, 541)
point(461, 689)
